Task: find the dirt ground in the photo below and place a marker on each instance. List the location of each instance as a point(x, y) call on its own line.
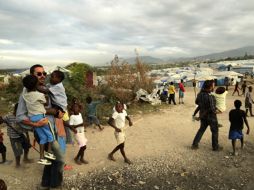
point(159, 146)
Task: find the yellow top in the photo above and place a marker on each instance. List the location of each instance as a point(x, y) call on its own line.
point(171, 89)
point(66, 116)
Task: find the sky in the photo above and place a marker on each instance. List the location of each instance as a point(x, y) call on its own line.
point(59, 32)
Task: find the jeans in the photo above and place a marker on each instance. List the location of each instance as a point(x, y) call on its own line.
point(213, 123)
point(53, 174)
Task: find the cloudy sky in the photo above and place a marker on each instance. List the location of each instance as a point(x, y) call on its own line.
point(92, 31)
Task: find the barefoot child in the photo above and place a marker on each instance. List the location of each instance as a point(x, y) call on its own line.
point(236, 118)
point(19, 141)
point(77, 125)
point(117, 121)
point(35, 102)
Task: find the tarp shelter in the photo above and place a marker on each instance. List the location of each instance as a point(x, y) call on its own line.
point(230, 74)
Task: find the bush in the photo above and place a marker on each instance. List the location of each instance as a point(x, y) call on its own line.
point(124, 80)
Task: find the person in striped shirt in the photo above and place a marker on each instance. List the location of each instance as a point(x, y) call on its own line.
point(18, 142)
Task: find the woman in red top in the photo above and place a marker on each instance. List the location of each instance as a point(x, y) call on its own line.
point(181, 92)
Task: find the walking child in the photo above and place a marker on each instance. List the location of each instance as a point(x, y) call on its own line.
point(117, 121)
point(236, 89)
point(249, 101)
point(236, 118)
point(91, 112)
point(35, 102)
point(77, 126)
point(244, 86)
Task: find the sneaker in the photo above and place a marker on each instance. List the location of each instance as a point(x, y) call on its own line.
point(49, 156)
point(44, 162)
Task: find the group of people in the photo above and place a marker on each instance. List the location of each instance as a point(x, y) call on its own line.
point(44, 110)
point(209, 105)
point(169, 92)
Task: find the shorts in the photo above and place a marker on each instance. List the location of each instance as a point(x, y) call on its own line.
point(44, 133)
point(18, 145)
point(120, 137)
point(235, 134)
point(181, 94)
point(81, 138)
point(93, 119)
point(2, 147)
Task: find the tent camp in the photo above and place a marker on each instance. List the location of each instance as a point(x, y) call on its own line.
point(230, 74)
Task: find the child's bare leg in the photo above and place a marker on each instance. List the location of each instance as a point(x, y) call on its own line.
point(246, 112)
point(110, 155)
point(233, 146)
point(76, 159)
point(26, 159)
point(17, 161)
point(251, 114)
point(241, 142)
point(82, 160)
point(3, 157)
point(41, 151)
point(101, 128)
point(123, 153)
point(50, 147)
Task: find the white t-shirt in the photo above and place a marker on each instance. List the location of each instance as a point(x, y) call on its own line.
point(76, 120)
point(119, 119)
point(221, 101)
point(34, 102)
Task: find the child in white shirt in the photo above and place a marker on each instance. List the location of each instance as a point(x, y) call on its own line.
point(117, 121)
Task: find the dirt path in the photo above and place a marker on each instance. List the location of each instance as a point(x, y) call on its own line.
point(161, 139)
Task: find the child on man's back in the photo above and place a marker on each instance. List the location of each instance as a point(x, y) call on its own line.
point(35, 102)
point(220, 97)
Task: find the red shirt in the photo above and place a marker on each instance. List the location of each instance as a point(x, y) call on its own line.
point(181, 87)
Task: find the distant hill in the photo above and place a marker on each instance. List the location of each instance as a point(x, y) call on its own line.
point(146, 60)
point(239, 52)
